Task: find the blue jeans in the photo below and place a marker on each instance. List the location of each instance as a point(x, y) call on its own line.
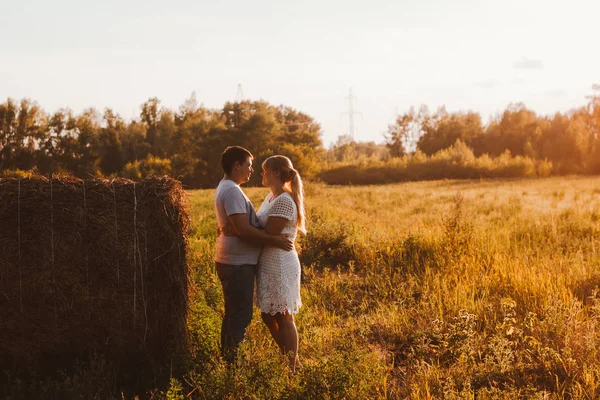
point(238, 291)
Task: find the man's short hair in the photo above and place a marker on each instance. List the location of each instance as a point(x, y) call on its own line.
point(233, 154)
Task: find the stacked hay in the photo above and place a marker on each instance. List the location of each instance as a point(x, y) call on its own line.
point(93, 268)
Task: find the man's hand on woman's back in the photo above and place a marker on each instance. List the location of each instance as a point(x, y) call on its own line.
point(285, 243)
point(241, 227)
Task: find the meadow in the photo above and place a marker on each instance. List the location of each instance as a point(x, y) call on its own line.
point(441, 289)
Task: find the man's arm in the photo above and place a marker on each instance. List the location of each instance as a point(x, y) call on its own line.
point(275, 225)
point(247, 232)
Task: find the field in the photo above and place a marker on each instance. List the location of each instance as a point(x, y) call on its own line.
point(443, 289)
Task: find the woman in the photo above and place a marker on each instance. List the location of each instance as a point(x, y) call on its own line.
point(278, 273)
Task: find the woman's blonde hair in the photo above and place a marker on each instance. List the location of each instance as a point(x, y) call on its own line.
point(292, 183)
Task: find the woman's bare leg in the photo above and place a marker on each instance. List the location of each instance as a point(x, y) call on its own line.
point(289, 336)
point(271, 323)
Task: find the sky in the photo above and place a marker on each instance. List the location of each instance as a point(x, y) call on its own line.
point(394, 54)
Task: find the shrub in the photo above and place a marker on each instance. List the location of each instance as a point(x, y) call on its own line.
point(455, 162)
point(150, 166)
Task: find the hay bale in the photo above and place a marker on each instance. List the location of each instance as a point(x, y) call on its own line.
point(93, 267)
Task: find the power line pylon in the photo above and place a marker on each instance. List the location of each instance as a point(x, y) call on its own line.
point(351, 114)
point(240, 94)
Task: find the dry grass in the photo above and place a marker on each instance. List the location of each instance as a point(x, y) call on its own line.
point(440, 289)
point(443, 289)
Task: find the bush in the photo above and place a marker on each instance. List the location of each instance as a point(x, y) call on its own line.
point(455, 162)
point(150, 166)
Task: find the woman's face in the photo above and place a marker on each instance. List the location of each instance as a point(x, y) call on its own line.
point(268, 177)
point(265, 177)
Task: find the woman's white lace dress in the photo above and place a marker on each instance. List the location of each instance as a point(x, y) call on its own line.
point(278, 275)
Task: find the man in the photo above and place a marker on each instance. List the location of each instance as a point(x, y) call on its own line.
point(236, 256)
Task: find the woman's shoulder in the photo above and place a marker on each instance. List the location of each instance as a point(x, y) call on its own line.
point(285, 198)
point(283, 205)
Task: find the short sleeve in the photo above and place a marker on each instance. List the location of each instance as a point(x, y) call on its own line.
point(234, 202)
point(283, 206)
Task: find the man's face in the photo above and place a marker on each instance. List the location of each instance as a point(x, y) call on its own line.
point(245, 170)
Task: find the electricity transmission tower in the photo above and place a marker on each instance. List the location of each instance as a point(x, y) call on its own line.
point(236, 113)
point(240, 94)
point(351, 114)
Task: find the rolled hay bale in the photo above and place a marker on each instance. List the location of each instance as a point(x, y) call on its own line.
point(93, 268)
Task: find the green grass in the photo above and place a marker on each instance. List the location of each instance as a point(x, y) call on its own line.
point(443, 289)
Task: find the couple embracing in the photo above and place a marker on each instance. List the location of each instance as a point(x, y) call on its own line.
point(259, 246)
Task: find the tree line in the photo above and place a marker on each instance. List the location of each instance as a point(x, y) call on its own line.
point(186, 143)
point(570, 141)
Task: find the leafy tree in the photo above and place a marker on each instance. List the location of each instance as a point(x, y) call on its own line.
point(298, 127)
point(192, 126)
point(165, 130)
point(133, 140)
point(87, 154)
point(517, 130)
point(187, 143)
point(149, 116)
point(8, 129)
point(112, 157)
point(404, 134)
point(60, 143)
point(445, 129)
point(21, 128)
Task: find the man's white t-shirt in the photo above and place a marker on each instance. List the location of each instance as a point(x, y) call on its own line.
point(231, 250)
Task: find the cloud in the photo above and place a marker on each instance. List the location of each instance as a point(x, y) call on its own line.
point(555, 93)
point(487, 84)
point(529, 63)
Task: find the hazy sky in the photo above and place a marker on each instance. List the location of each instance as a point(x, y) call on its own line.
point(465, 54)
